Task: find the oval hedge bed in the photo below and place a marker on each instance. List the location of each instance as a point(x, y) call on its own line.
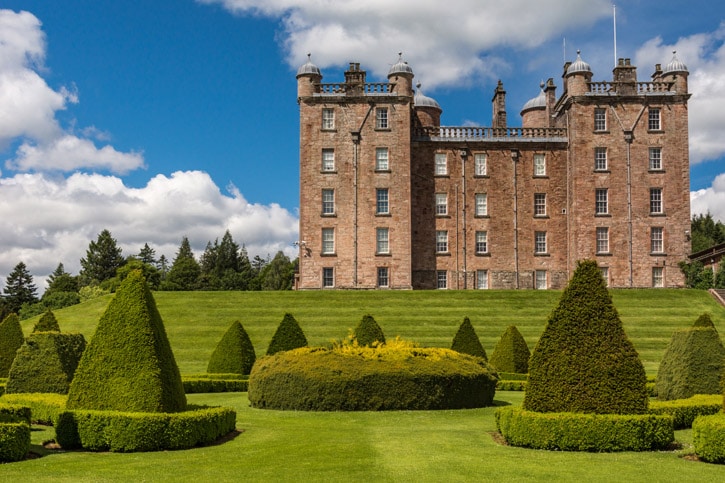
point(583, 431)
point(353, 378)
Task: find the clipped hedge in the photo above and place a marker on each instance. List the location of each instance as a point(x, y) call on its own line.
point(47, 323)
point(584, 432)
point(11, 338)
point(208, 384)
point(44, 407)
point(46, 362)
point(466, 340)
point(510, 385)
point(14, 441)
point(368, 332)
point(234, 353)
point(288, 336)
point(354, 378)
point(684, 411)
point(708, 438)
point(131, 432)
point(14, 413)
point(511, 353)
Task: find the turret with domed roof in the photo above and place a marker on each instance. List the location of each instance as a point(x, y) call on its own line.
point(401, 76)
point(308, 78)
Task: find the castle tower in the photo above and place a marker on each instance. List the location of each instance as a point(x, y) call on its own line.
point(308, 78)
point(427, 110)
point(577, 75)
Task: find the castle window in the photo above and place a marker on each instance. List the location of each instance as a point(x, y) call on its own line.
point(482, 279)
point(441, 279)
point(655, 159)
point(654, 123)
point(539, 165)
point(481, 204)
point(381, 159)
point(658, 279)
point(600, 119)
point(540, 279)
point(381, 118)
point(602, 202)
point(605, 275)
point(600, 159)
point(655, 201)
point(479, 164)
point(441, 241)
point(328, 241)
point(539, 204)
point(328, 160)
point(441, 164)
point(382, 203)
point(656, 239)
point(481, 242)
point(328, 277)
point(441, 204)
point(602, 240)
point(328, 119)
point(383, 277)
point(540, 242)
point(382, 241)
point(328, 202)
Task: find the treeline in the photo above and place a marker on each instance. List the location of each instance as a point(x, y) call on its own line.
point(224, 265)
point(706, 232)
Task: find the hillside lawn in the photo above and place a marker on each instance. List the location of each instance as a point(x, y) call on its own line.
point(374, 446)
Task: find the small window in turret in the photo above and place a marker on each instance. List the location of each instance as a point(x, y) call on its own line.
point(328, 119)
point(381, 118)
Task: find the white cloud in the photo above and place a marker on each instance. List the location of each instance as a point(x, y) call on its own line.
point(59, 217)
point(710, 200)
point(443, 41)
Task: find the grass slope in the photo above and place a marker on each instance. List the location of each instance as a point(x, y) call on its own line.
point(196, 321)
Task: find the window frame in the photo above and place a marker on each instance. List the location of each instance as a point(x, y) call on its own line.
point(480, 164)
point(602, 240)
point(441, 204)
point(539, 165)
point(383, 277)
point(481, 242)
point(382, 241)
point(605, 275)
point(658, 277)
point(540, 243)
point(481, 204)
point(382, 159)
point(328, 119)
point(382, 120)
point(656, 202)
point(540, 204)
point(657, 239)
point(540, 284)
point(328, 202)
point(328, 160)
point(600, 119)
point(654, 119)
point(440, 166)
point(327, 246)
point(328, 277)
point(601, 203)
point(382, 206)
point(601, 161)
point(441, 241)
point(482, 279)
point(441, 279)
point(655, 159)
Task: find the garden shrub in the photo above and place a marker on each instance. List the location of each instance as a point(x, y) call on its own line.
point(234, 353)
point(467, 342)
point(708, 438)
point(14, 441)
point(134, 431)
point(288, 336)
point(511, 354)
point(355, 378)
point(210, 384)
point(129, 365)
point(692, 363)
point(47, 323)
point(510, 385)
point(368, 332)
point(584, 431)
point(44, 407)
point(684, 411)
point(583, 361)
point(14, 413)
point(11, 338)
point(46, 362)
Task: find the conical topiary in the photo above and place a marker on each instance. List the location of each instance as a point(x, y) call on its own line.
point(511, 354)
point(368, 332)
point(693, 362)
point(467, 342)
point(46, 363)
point(11, 338)
point(288, 336)
point(584, 361)
point(47, 323)
point(129, 365)
point(234, 354)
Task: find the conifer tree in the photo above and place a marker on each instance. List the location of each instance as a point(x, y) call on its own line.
point(19, 288)
point(234, 354)
point(184, 272)
point(47, 323)
point(288, 336)
point(102, 259)
point(467, 342)
point(11, 338)
point(511, 354)
point(368, 332)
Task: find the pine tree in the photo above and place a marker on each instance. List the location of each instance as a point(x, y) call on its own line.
point(278, 274)
point(102, 259)
point(61, 281)
point(185, 271)
point(19, 288)
point(147, 255)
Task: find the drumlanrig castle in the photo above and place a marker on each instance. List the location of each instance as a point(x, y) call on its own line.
point(390, 199)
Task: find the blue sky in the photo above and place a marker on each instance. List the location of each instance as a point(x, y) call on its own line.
point(169, 118)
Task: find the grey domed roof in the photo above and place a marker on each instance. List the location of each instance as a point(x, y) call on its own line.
point(421, 100)
point(537, 102)
point(308, 68)
point(578, 65)
point(400, 67)
point(675, 65)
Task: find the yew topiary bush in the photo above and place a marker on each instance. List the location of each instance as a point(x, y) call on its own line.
point(467, 342)
point(368, 332)
point(288, 336)
point(11, 338)
point(129, 365)
point(47, 323)
point(693, 362)
point(234, 354)
point(583, 361)
point(511, 354)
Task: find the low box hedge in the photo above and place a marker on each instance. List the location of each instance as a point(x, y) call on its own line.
point(708, 438)
point(684, 411)
point(44, 407)
point(584, 431)
point(206, 384)
point(131, 432)
point(14, 441)
point(512, 376)
point(510, 385)
point(14, 413)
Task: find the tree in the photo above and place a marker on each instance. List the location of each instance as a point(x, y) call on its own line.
point(185, 270)
point(19, 288)
point(147, 255)
point(467, 342)
point(368, 332)
point(11, 338)
point(278, 274)
point(234, 354)
point(288, 336)
point(102, 259)
point(61, 281)
point(706, 232)
point(511, 354)
point(47, 323)
point(149, 271)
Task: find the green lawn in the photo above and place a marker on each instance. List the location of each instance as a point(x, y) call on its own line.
point(369, 446)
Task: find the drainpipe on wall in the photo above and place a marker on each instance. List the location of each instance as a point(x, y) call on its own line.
point(628, 138)
point(514, 159)
point(463, 154)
